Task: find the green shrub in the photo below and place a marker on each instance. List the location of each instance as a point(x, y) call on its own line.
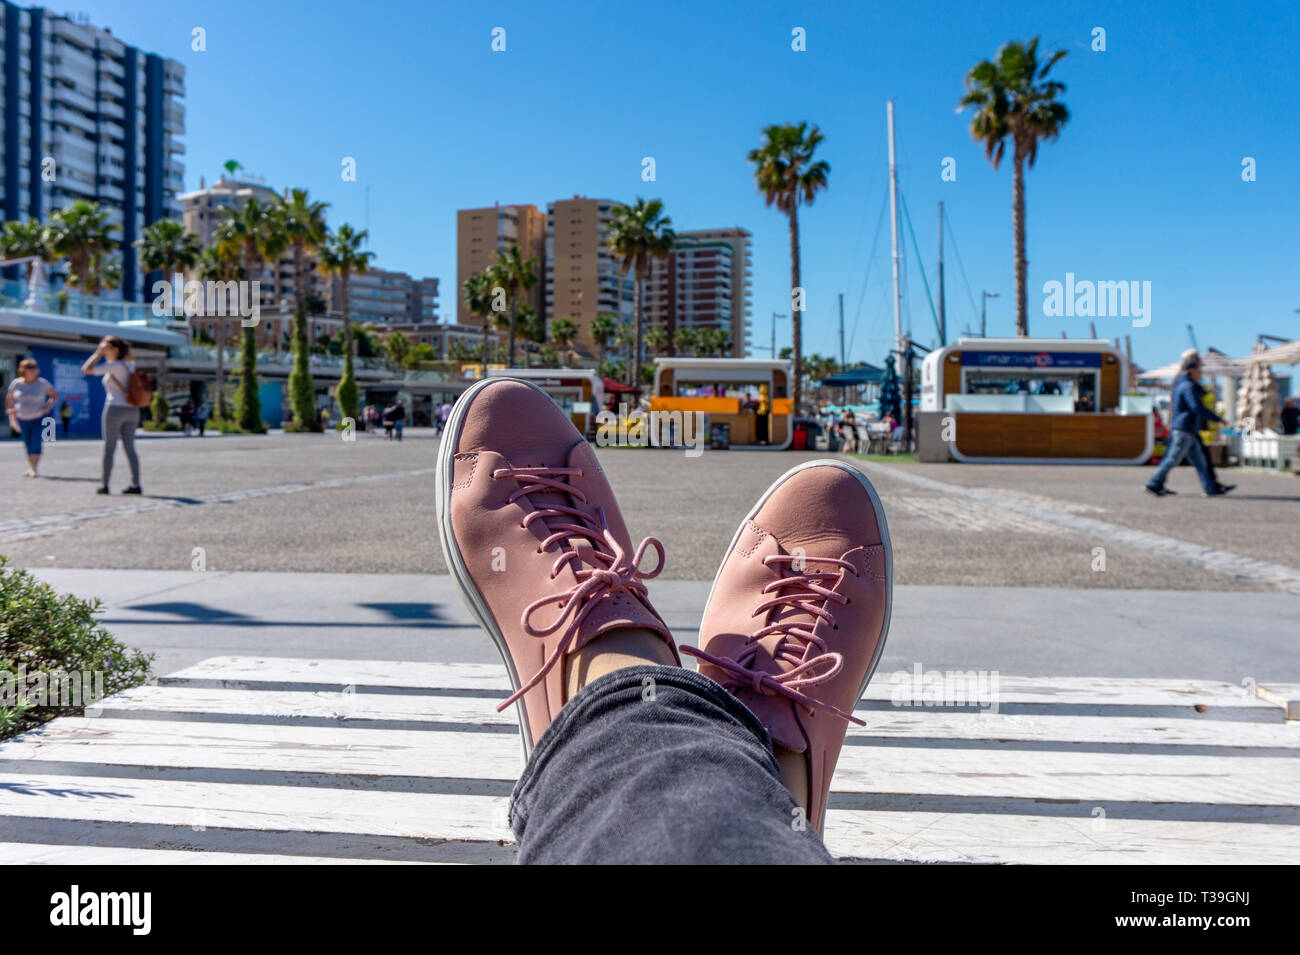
point(248, 404)
point(45, 632)
point(158, 409)
point(346, 392)
point(165, 426)
point(302, 390)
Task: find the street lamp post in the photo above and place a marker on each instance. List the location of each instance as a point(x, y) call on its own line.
point(984, 297)
point(775, 316)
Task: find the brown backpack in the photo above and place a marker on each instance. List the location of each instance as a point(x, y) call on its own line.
point(139, 390)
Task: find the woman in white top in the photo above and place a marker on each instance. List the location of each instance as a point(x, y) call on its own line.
point(119, 419)
point(29, 401)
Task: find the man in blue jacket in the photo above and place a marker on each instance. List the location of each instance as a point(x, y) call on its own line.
point(1186, 412)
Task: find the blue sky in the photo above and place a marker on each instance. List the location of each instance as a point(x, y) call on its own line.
point(1145, 183)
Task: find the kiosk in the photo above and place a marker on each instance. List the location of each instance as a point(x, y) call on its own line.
point(1027, 400)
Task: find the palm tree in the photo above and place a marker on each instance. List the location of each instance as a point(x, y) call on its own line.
point(637, 234)
point(788, 177)
point(603, 328)
point(219, 262)
point(478, 297)
point(717, 341)
point(656, 338)
point(397, 346)
point(166, 246)
point(564, 332)
point(687, 341)
point(79, 233)
point(341, 254)
point(21, 240)
point(1013, 97)
point(515, 274)
point(301, 223)
point(531, 327)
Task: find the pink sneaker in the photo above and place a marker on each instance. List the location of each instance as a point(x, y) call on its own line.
point(534, 537)
point(797, 617)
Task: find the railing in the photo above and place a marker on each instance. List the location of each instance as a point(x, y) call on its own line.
point(208, 353)
point(71, 303)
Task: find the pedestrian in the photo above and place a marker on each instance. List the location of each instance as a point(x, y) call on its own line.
point(1202, 396)
point(186, 414)
point(29, 399)
point(388, 422)
point(120, 417)
point(848, 431)
point(1186, 412)
point(730, 764)
point(201, 417)
point(65, 413)
point(1290, 417)
point(399, 418)
point(444, 412)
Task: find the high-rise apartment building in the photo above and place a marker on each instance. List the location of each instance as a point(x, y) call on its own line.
point(704, 283)
point(583, 278)
point(87, 116)
point(385, 297)
point(481, 233)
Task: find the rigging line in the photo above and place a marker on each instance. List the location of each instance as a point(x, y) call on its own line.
point(857, 314)
point(907, 216)
point(952, 234)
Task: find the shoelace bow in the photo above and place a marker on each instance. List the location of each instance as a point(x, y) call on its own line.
point(797, 636)
point(564, 523)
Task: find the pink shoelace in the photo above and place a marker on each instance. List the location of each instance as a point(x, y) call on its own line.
point(797, 636)
point(564, 523)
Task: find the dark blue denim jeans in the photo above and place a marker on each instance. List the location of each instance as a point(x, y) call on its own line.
point(1183, 444)
point(655, 764)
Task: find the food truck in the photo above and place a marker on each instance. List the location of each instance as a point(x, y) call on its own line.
point(1032, 400)
point(578, 391)
point(746, 401)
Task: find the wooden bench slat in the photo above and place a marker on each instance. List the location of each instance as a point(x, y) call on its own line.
point(1054, 840)
point(24, 853)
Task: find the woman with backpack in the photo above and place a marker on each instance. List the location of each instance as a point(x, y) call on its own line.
point(124, 395)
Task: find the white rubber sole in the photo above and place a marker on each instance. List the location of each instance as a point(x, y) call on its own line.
point(455, 562)
point(884, 540)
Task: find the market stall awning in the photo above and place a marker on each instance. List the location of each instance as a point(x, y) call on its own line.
point(1288, 353)
point(862, 375)
point(1215, 363)
point(616, 387)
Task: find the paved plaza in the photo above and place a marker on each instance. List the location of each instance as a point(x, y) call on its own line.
point(315, 503)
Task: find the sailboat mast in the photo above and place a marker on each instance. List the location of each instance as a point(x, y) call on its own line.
point(943, 317)
point(893, 228)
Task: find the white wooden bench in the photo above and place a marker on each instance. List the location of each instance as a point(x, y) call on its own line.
point(273, 760)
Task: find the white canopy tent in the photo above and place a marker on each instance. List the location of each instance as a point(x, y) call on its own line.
point(1215, 363)
point(1288, 353)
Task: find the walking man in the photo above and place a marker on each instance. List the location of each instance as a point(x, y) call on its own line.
point(1186, 412)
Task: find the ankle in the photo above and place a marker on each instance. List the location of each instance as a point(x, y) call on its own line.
point(612, 651)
